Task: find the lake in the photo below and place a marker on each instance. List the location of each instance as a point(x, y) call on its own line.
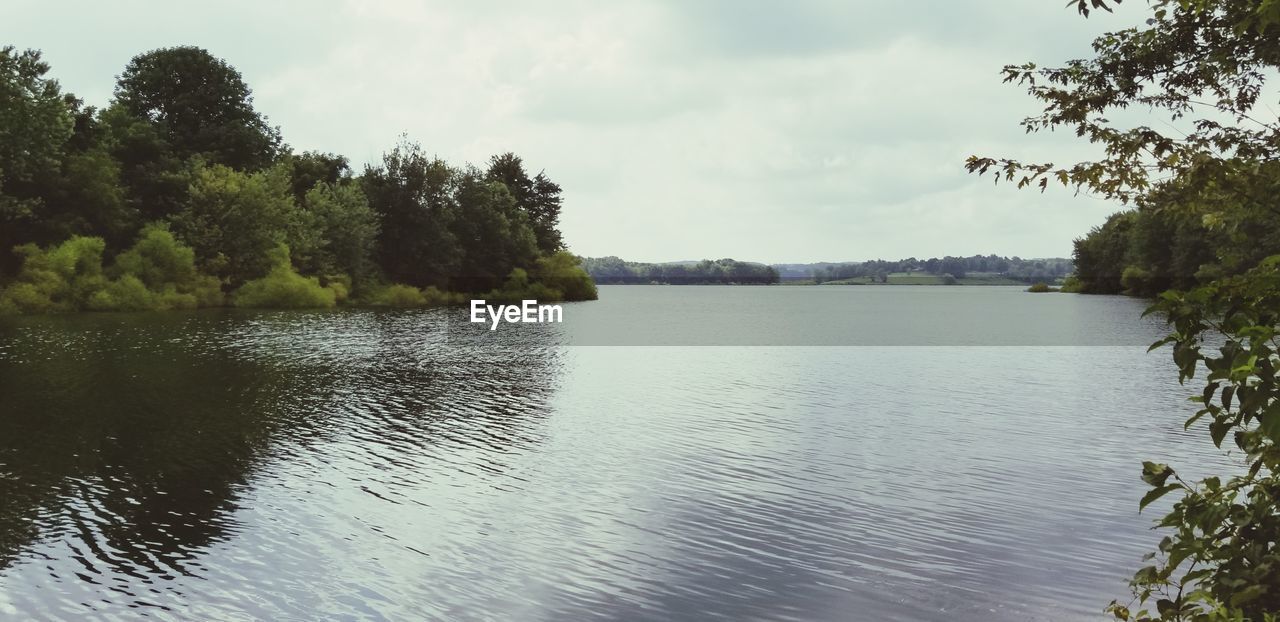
point(687, 453)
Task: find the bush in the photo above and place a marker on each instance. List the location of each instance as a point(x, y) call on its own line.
point(25, 298)
point(282, 288)
point(562, 273)
point(518, 287)
point(127, 293)
point(1072, 285)
point(1041, 288)
point(397, 296)
point(167, 267)
point(439, 298)
point(61, 278)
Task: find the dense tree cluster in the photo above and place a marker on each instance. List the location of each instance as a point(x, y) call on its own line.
point(1202, 235)
point(1148, 250)
point(180, 194)
point(706, 272)
point(1016, 268)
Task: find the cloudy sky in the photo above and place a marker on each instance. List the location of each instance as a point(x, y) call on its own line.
point(772, 131)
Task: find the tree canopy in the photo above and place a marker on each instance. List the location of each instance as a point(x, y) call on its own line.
point(1202, 235)
point(200, 203)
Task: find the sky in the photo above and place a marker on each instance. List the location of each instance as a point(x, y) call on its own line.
point(796, 131)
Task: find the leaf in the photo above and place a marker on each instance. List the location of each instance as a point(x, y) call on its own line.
point(1270, 422)
point(1194, 418)
point(1156, 493)
point(1155, 473)
point(1218, 430)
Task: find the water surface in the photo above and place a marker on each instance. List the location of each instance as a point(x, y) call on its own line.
point(398, 465)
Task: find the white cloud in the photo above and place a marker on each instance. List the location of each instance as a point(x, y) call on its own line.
point(777, 132)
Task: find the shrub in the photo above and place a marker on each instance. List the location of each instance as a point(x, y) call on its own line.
point(168, 268)
point(61, 278)
point(127, 293)
point(340, 284)
point(397, 295)
point(1072, 285)
point(439, 298)
point(519, 287)
point(1040, 288)
point(25, 298)
point(562, 273)
point(282, 288)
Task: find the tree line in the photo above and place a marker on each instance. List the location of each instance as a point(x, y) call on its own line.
point(612, 270)
point(1015, 268)
point(179, 194)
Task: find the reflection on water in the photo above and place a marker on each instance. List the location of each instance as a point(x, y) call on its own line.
point(227, 464)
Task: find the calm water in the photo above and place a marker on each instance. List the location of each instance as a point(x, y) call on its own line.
point(857, 462)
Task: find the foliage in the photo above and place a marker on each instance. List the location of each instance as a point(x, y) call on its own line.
point(235, 220)
point(156, 273)
point(345, 232)
point(518, 286)
point(562, 273)
point(61, 278)
point(1041, 288)
point(494, 233)
point(200, 105)
point(413, 195)
point(722, 271)
point(539, 198)
point(310, 168)
point(35, 123)
point(1203, 64)
point(166, 266)
point(399, 295)
point(181, 147)
point(283, 288)
point(1223, 557)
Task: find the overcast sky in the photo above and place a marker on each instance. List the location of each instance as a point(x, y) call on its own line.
point(770, 131)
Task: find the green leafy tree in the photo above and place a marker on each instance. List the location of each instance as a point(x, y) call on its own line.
point(413, 197)
point(235, 221)
point(312, 167)
point(35, 124)
point(200, 105)
point(154, 177)
point(1203, 65)
point(538, 197)
point(493, 234)
point(83, 194)
point(346, 232)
